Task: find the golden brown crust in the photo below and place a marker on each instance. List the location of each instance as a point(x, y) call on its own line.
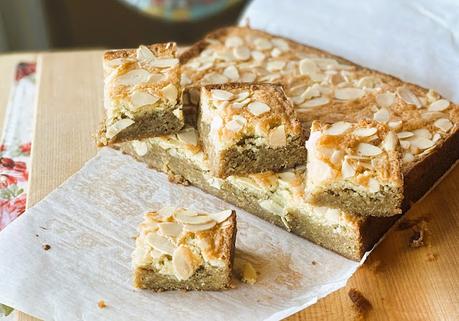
point(160, 50)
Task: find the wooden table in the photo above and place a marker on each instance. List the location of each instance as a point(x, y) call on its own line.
point(402, 283)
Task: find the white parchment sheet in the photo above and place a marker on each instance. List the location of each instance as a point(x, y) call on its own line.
point(90, 221)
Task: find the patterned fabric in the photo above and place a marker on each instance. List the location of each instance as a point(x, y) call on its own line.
point(16, 145)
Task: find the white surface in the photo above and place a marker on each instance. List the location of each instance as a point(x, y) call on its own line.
point(89, 223)
point(415, 40)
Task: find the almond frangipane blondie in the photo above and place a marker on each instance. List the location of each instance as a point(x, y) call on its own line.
point(179, 248)
point(249, 128)
point(354, 167)
point(142, 93)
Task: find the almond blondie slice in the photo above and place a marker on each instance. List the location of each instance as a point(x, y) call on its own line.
point(184, 249)
point(249, 128)
point(354, 167)
point(142, 93)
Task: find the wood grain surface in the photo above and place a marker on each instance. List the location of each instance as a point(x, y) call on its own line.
point(401, 283)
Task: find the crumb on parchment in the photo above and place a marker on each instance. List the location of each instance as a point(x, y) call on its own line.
point(360, 303)
point(46, 247)
point(101, 304)
point(245, 271)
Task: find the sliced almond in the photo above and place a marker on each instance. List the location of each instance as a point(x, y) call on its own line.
point(160, 243)
point(118, 126)
point(185, 80)
point(396, 124)
point(140, 147)
point(186, 219)
point(248, 77)
point(233, 42)
point(171, 93)
point(281, 44)
point(262, 44)
point(439, 105)
point(421, 143)
point(308, 67)
point(405, 144)
point(188, 137)
point(365, 149)
point(432, 115)
point(233, 126)
point(408, 97)
point(242, 95)
point(214, 78)
point(347, 170)
point(365, 131)
point(133, 77)
point(141, 98)
point(382, 115)
point(349, 93)
point(231, 73)
point(436, 137)
point(170, 228)
point(337, 157)
point(407, 157)
point(258, 108)
point(373, 185)
point(277, 137)
point(385, 100)
point(316, 102)
point(219, 94)
point(164, 62)
point(183, 262)
point(444, 124)
point(186, 212)
point(405, 134)
point(422, 132)
point(276, 52)
point(166, 212)
point(199, 227)
point(287, 176)
point(241, 53)
point(258, 55)
point(144, 55)
point(241, 104)
point(338, 128)
point(221, 216)
point(390, 141)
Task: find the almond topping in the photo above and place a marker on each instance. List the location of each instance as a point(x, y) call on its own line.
point(233, 42)
point(390, 141)
point(188, 137)
point(183, 262)
point(231, 72)
point(140, 147)
point(118, 126)
point(316, 102)
point(221, 216)
point(337, 128)
point(219, 94)
point(258, 108)
point(241, 53)
point(170, 228)
point(397, 124)
point(166, 212)
point(308, 66)
point(365, 131)
point(171, 93)
point(365, 149)
point(421, 143)
point(385, 100)
point(382, 115)
point(422, 132)
point(164, 63)
point(403, 135)
point(349, 93)
point(408, 97)
point(373, 185)
point(262, 44)
point(443, 124)
point(277, 137)
point(280, 43)
point(337, 157)
point(186, 219)
point(199, 227)
point(347, 170)
point(407, 157)
point(141, 98)
point(234, 126)
point(405, 144)
point(258, 55)
point(248, 77)
point(133, 77)
point(144, 55)
point(439, 105)
point(160, 243)
point(275, 65)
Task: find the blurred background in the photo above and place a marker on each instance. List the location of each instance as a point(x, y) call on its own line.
point(34, 25)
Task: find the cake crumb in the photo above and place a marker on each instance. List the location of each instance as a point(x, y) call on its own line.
point(101, 304)
point(46, 247)
point(314, 263)
point(418, 238)
point(360, 303)
point(245, 271)
point(178, 179)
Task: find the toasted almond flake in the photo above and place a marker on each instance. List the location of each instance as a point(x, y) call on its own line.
point(233, 42)
point(405, 134)
point(144, 54)
point(199, 227)
point(133, 77)
point(241, 104)
point(160, 243)
point(436, 137)
point(298, 99)
point(382, 115)
point(243, 95)
point(204, 66)
point(214, 78)
point(407, 157)
point(421, 143)
point(346, 169)
point(216, 123)
point(188, 137)
point(240, 119)
point(187, 212)
point(272, 207)
point(262, 44)
point(275, 65)
point(287, 176)
point(231, 72)
point(365, 131)
point(281, 44)
point(320, 101)
point(365, 149)
point(349, 93)
point(183, 263)
point(432, 115)
point(116, 62)
point(308, 67)
point(241, 53)
point(397, 124)
point(155, 254)
point(171, 93)
point(140, 147)
point(439, 105)
point(170, 228)
point(219, 94)
point(258, 108)
point(422, 132)
point(405, 144)
point(220, 104)
point(141, 98)
point(313, 91)
point(186, 219)
point(221, 216)
point(337, 128)
point(185, 80)
point(166, 212)
point(233, 126)
point(164, 63)
point(408, 97)
point(258, 55)
point(368, 82)
point(276, 52)
point(444, 124)
point(373, 185)
point(248, 77)
point(277, 137)
point(390, 141)
point(337, 157)
point(118, 126)
point(385, 100)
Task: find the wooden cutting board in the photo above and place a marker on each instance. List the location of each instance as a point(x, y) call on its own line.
point(402, 283)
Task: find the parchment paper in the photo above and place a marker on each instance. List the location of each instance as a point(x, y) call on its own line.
point(90, 221)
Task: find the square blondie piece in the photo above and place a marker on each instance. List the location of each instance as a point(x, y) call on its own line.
point(249, 128)
point(184, 249)
point(354, 167)
point(142, 93)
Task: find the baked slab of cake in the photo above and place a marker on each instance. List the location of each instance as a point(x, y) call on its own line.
point(355, 167)
point(179, 248)
point(142, 95)
point(249, 128)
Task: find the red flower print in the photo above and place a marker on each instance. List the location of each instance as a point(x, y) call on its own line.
point(6, 162)
point(25, 148)
point(24, 69)
point(7, 180)
point(10, 210)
